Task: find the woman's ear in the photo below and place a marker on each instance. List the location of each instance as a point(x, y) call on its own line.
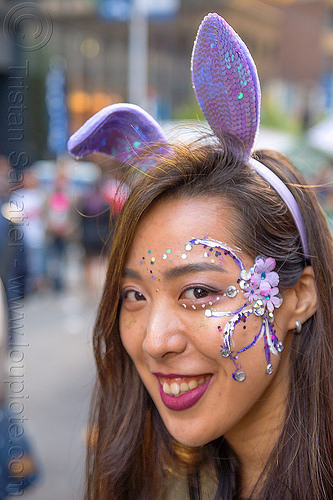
point(305, 298)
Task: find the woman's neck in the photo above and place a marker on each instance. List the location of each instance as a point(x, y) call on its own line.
point(256, 435)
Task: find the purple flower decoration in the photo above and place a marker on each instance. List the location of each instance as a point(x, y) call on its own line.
point(264, 277)
point(263, 284)
point(252, 293)
point(272, 299)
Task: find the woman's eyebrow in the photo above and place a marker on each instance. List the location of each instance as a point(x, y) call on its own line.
point(178, 271)
point(131, 273)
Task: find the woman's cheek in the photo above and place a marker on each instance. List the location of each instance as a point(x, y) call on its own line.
point(128, 322)
point(132, 327)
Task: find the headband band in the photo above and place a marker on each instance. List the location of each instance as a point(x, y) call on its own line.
point(286, 195)
point(227, 88)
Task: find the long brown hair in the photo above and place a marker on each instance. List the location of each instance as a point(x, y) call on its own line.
point(132, 454)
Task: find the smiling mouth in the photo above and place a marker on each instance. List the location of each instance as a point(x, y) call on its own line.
point(178, 386)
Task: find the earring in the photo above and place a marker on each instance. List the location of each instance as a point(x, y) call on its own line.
point(298, 326)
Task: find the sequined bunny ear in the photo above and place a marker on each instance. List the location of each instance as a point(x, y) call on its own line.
point(122, 131)
point(226, 83)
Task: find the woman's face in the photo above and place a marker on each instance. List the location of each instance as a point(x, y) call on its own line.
point(175, 345)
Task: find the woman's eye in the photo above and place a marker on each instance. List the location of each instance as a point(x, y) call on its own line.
point(196, 293)
point(133, 296)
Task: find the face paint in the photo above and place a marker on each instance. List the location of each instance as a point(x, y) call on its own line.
point(259, 286)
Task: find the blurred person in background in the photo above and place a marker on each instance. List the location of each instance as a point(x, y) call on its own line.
point(61, 225)
point(94, 213)
point(13, 258)
point(30, 217)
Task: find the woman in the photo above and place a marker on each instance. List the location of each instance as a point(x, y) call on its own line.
point(213, 341)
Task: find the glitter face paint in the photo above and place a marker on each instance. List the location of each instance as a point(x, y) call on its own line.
point(259, 300)
point(262, 306)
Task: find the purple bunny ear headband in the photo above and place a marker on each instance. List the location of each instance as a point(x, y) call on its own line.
point(122, 131)
point(227, 87)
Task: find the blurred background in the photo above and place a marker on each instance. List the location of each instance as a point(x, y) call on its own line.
point(60, 62)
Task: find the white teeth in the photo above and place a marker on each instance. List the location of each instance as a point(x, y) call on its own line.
point(184, 387)
point(166, 388)
point(174, 389)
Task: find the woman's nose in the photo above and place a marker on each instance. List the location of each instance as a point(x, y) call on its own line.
point(165, 333)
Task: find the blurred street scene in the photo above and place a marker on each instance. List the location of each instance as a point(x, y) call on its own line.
point(59, 379)
point(62, 61)
point(50, 337)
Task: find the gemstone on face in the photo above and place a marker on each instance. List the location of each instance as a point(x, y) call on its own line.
point(243, 284)
point(259, 308)
point(225, 352)
point(245, 275)
point(278, 304)
point(279, 346)
point(231, 291)
point(269, 369)
point(239, 376)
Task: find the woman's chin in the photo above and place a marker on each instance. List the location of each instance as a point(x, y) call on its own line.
point(192, 440)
